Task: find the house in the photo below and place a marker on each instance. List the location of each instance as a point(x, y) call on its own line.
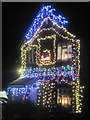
point(50, 61)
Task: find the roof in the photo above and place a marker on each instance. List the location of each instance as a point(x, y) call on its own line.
point(24, 81)
point(45, 12)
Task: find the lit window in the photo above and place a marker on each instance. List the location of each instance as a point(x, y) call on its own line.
point(63, 52)
point(69, 51)
point(64, 100)
point(59, 52)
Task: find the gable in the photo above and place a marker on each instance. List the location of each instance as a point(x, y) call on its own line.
point(68, 36)
point(46, 12)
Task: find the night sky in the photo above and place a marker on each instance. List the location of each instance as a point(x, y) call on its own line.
point(17, 18)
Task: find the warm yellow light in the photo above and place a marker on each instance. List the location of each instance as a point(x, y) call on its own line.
point(64, 56)
point(60, 101)
point(65, 101)
point(20, 70)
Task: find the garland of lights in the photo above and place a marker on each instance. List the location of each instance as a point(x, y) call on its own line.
point(76, 85)
point(45, 12)
point(76, 82)
point(47, 29)
point(45, 75)
point(78, 88)
point(60, 27)
point(23, 55)
point(35, 36)
point(23, 92)
point(23, 61)
point(60, 74)
point(47, 59)
point(47, 97)
point(54, 50)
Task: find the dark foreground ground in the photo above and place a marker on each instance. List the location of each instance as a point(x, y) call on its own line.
point(25, 110)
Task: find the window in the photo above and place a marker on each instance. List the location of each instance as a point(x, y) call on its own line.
point(69, 51)
point(63, 52)
point(59, 52)
point(63, 99)
point(32, 54)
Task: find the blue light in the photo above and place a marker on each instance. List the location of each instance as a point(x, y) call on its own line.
point(45, 11)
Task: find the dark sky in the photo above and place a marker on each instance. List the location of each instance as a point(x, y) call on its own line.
point(17, 18)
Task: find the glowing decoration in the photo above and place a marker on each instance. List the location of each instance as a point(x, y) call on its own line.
point(20, 71)
point(44, 12)
point(59, 52)
point(36, 33)
point(63, 53)
point(66, 101)
point(23, 49)
point(23, 93)
point(44, 59)
point(23, 55)
point(64, 56)
point(63, 99)
point(51, 28)
point(47, 74)
point(69, 51)
point(47, 58)
point(38, 61)
point(50, 75)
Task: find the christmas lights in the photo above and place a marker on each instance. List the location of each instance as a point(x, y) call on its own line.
point(48, 77)
point(43, 59)
point(23, 54)
point(45, 12)
point(27, 92)
point(60, 74)
point(60, 27)
point(39, 53)
point(51, 28)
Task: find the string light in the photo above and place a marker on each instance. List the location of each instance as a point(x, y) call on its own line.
point(48, 77)
point(45, 12)
point(38, 62)
point(47, 29)
point(60, 27)
point(47, 74)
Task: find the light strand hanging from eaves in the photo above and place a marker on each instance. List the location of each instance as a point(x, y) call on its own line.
point(45, 12)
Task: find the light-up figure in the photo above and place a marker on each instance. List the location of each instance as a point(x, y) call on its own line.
point(45, 58)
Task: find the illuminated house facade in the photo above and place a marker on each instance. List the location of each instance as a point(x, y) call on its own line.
point(50, 57)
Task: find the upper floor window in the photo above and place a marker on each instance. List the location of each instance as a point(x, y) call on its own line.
point(32, 53)
point(69, 51)
point(30, 57)
point(59, 52)
point(63, 52)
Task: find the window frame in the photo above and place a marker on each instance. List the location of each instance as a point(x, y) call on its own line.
point(68, 52)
